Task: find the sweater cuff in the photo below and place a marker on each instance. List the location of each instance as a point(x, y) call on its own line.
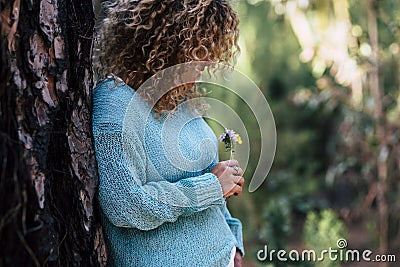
point(208, 191)
point(237, 232)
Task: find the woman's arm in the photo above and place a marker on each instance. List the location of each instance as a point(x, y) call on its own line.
point(128, 201)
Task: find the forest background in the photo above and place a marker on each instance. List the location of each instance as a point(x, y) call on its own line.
point(330, 72)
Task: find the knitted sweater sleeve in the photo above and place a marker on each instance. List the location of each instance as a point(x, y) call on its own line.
point(236, 228)
point(127, 196)
point(127, 202)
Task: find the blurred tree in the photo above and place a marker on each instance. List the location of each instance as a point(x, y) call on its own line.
point(330, 71)
point(341, 59)
point(345, 55)
point(297, 175)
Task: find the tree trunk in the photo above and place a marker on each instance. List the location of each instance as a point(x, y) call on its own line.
point(380, 122)
point(48, 173)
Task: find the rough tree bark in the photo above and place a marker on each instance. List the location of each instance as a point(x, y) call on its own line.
point(48, 173)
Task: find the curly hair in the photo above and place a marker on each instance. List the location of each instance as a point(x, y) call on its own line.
point(139, 38)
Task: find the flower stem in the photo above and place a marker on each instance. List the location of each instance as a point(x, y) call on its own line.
point(233, 151)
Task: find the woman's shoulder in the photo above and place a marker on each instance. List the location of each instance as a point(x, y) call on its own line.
point(111, 87)
point(111, 97)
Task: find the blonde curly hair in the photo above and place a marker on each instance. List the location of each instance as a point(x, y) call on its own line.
point(139, 38)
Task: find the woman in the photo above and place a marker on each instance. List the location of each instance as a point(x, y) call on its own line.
point(156, 211)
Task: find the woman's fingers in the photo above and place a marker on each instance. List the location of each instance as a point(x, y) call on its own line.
point(230, 177)
point(240, 182)
point(227, 167)
point(237, 171)
point(232, 162)
point(236, 190)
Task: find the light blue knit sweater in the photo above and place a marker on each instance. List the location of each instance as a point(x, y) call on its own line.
point(160, 204)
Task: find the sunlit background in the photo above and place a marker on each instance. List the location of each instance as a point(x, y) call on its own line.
point(330, 72)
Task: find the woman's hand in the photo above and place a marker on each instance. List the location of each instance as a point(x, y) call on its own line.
point(230, 177)
point(238, 259)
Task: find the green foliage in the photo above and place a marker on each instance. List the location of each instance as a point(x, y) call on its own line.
point(321, 232)
point(277, 228)
point(296, 182)
point(327, 147)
